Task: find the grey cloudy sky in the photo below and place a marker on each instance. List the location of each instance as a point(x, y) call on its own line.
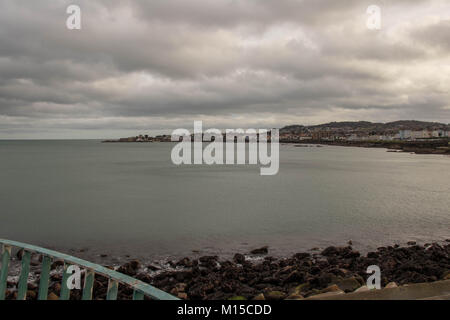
point(151, 66)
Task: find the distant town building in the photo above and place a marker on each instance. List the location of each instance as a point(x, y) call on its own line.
point(405, 134)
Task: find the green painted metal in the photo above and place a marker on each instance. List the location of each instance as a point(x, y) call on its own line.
point(6, 255)
point(45, 273)
point(65, 291)
point(135, 284)
point(138, 295)
point(113, 288)
point(88, 285)
point(23, 278)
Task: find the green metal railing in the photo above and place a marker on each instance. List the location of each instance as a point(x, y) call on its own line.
point(140, 289)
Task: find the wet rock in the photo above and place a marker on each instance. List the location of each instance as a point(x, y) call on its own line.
point(300, 289)
point(322, 280)
point(302, 255)
point(388, 264)
point(172, 264)
point(446, 275)
point(180, 287)
point(52, 296)
point(352, 254)
point(32, 286)
point(349, 284)
point(362, 289)
point(57, 263)
point(144, 277)
point(31, 295)
point(259, 297)
point(286, 269)
point(260, 251)
point(130, 268)
point(185, 262)
point(57, 287)
point(326, 295)
point(332, 288)
point(206, 259)
point(184, 275)
point(275, 295)
point(239, 258)
point(346, 252)
point(330, 251)
point(34, 263)
point(153, 267)
point(197, 292)
point(209, 262)
point(391, 285)
point(314, 270)
point(183, 295)
point(9, 294)
point(56, 277)
point(295, 276)
point(295, 297)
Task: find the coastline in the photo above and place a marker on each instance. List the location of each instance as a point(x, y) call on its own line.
point(432, 146)
point(438, 147)
point(258, 275)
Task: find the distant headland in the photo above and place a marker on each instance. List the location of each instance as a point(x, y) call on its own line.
point(404, 135)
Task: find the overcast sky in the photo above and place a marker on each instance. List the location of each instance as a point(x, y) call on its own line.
point(152, 66)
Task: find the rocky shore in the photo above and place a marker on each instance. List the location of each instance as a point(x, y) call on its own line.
point(256, 275)
point(334, 269)
point(441, 146)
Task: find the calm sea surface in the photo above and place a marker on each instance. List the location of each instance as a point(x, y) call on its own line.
point(129, 199)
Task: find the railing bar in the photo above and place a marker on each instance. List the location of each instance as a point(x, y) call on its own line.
point(147, 289)
point(65, 291)
point(113, 287)
point(23, 279)
point(6, 254)
point(88, 285)
point(138, 295)
point(43, 283)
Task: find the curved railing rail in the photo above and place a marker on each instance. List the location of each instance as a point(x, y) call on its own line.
point(140, 288)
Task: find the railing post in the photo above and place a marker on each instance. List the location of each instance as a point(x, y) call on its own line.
point(23, 279)
point(43, 283)
point(6, 254)
point(113, 287)
point(88, 284)
point(65, 291)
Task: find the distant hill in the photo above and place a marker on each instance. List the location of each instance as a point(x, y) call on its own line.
point(366, 126)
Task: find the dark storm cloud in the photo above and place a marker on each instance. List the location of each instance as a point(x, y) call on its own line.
point(160, 64)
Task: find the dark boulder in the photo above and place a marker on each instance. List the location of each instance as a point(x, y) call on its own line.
point(239, 258)
point(130, 268)
point(185, 262)
point(259, 251)
point(302, 256)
